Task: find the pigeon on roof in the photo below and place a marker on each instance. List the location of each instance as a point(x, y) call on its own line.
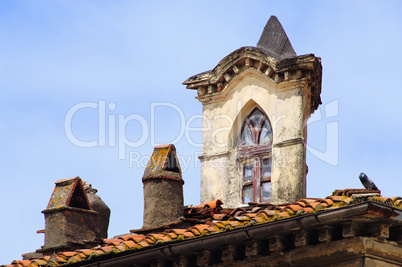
point(274, 40)
point(367, 182)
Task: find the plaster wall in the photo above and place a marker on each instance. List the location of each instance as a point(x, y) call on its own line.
point(285, 106)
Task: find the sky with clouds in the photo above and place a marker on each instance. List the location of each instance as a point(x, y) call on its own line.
point(125, 61)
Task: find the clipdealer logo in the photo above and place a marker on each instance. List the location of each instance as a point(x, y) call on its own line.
point(112, 129)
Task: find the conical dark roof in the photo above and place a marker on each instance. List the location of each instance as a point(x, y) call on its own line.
point(274, 40)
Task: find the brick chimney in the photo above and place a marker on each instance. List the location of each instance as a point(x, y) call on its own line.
point(163, 188)
point(70, 221)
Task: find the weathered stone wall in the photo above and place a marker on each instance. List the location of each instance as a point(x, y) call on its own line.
point(55, 229)
point(163, 202)
point(70, 225)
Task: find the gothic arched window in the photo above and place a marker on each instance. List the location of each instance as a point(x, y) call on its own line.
point(254, 152)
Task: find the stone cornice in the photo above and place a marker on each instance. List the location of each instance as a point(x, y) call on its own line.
point(211, 84)
point(290, 142)
point(213, 156)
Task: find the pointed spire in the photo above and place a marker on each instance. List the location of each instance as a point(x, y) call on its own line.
point(274, 40)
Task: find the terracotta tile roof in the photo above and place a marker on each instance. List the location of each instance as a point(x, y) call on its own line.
point(212, 219)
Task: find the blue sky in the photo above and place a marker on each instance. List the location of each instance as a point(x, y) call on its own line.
point(132, 57)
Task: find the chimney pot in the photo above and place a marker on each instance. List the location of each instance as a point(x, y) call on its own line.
point(163, 188)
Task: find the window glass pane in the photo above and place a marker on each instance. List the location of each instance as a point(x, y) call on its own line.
point(266, 168)
point(248, 193)
point(266, 191)
point(266, 133)
point(256, 119)
point(246, 138)
point(248, 172)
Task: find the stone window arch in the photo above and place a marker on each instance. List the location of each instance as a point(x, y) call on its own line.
point(254, 152)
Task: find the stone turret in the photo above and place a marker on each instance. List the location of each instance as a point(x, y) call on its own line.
point(256, 103)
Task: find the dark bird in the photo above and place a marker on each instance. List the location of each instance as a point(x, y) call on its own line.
point(367, 182)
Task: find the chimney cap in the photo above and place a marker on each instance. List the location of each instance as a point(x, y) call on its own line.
point(68, 193)
point(163, 164)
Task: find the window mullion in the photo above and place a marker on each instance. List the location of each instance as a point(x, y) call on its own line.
point(256, 180)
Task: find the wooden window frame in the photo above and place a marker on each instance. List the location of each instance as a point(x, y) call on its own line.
point(257, 178)
point(254, 155)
